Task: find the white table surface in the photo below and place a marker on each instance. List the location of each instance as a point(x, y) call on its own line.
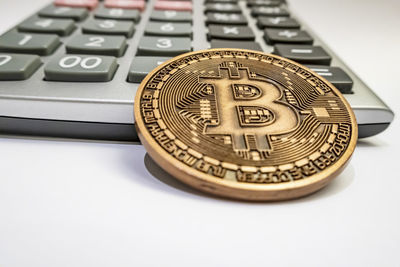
point(81, 203)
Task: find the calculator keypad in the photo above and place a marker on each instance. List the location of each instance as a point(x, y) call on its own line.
point(126, 4)
point(221, 1)
point(237, 44)
point(225, 18)
point(105, 29)
point(173, 5)
point(163, 46)
point(277, 22)
point(91, 4)
point(168, 29)
point(81, 68)
point(141, 66)
point(18, 67)
point(336, 76)
point(287, 36)
point(223, 8)
point(117, 14)
point(97, 44)
point(230, 32)
point(29, 43)
point(304, 54)
point(171, 16)
point(264, 2)
point(269, 11)
point(64, 12)
point(112, 27)
point(60, 27)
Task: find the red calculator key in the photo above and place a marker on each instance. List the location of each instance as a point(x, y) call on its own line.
point(173, 5)
point(91, 4)
point(127, 4)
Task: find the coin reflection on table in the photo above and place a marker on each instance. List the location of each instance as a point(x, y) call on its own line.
point(243, 124)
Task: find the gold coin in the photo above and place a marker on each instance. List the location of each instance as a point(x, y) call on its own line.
point(243, 124)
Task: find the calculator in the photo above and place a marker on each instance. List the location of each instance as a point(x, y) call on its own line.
point(72, 68)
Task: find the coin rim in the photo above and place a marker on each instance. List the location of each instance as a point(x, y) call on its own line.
point(243, 191)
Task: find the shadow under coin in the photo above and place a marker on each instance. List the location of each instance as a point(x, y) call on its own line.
point(168, 179)
point(336, 186)
point(371, 142)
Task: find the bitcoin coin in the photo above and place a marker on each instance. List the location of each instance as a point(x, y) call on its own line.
point(243, 124)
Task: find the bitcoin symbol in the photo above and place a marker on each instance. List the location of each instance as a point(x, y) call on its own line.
point(249, 109)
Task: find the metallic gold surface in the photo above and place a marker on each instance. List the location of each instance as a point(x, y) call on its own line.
point(245, 125)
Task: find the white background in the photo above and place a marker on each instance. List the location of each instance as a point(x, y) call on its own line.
point(82, 203)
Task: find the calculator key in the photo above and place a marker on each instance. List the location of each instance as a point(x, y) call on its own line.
point(230, 32)
point(163, 46)
point(64, 12)
point(264, 2)
point(91, 4)
point(141, 66)
point(226, 18)
point(236, 44)
point(18, 67)
point(81, 68)
point(289, 36)
point(223, 8)
point(304, 54)
point(222, 1)
point(168, 29)
point(112, 27)
point(277, 22)
point(29, 43)
point(61, 27)
point(173, 5)
point(269, 11)
point(118, 14)
point(171, 16)
point(127, 4)
point(98, 45)
point(335, 75)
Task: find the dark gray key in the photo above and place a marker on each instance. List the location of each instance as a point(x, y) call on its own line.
point(230, 32)
point(171, 16)
point(98, 45)
point(64, 12)
point(223, 8)
point(35, 24)
point(221, 1)
point(29, 43)
point(18, 67)
point(226, 18)
point(336, 76)
point(141, 66)
point(304, 54)
point(269, 11)
point(163, 46)
point(112, 27)
point(287, 36)
point(236, 44)
point(277, 22)
point(118, 14)
point(264, 2)
point(168, 29)
point(81, 68)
